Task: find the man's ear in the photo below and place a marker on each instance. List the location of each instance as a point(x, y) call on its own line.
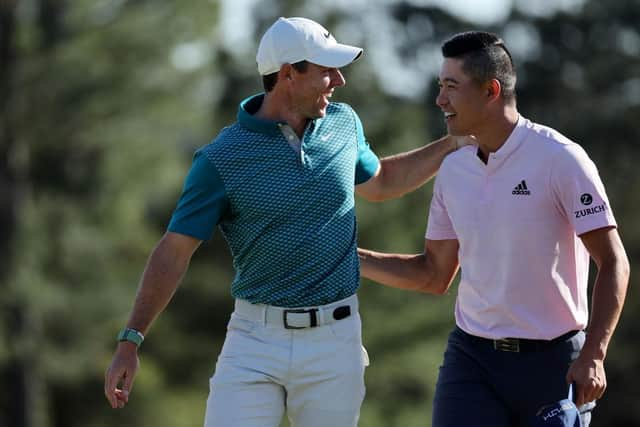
point(494, 89)
point(285, 73)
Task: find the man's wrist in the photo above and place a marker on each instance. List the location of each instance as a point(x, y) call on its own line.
point(131, 335)
point(594, 352)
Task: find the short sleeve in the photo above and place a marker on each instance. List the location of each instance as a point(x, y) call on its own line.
point(439, 226)
point(367, 162)
point(579, 192)
point(203, 201)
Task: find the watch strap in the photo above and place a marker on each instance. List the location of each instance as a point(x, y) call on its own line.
point(131, 335)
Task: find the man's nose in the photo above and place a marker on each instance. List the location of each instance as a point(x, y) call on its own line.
point(337, 79)
point(441, 100)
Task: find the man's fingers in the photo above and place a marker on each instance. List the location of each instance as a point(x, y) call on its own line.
point(119, 376)
point(601, 390)
point(589, 392)
point(112, 378)
point(589, 378)
point(571, 380)
point(594, 390)
point(127, 384)
point(121, 398)
point(110, 382)
point(580, 395)
point(109, 387)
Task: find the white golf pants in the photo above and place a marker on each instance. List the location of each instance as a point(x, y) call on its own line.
point(314, 374)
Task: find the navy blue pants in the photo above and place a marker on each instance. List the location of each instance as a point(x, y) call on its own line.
point(483, 387)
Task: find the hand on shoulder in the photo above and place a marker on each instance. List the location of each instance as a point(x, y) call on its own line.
point(462, 141)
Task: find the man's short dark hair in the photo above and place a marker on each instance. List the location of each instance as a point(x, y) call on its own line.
point(269, 81)
point(484, 57)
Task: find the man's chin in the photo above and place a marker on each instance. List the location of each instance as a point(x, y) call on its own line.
point(319, 114)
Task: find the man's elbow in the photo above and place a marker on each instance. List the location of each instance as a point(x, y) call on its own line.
point(382, 187)
point(619, 265)
point(382, 194)
point(624, 268)
point(374, 192)
point(442, 288)
point(435, 287)
point(371, 196)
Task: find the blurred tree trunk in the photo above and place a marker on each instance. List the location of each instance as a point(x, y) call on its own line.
point(7, 177)
point(25, 404)
point(13, 374)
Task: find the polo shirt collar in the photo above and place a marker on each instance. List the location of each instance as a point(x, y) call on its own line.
point(246, 117)
point(248, 107)
point(513, 141)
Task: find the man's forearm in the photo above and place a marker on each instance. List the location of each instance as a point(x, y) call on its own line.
point(160, 279)
point(405, 172)
point(609, 293)
point(409, 272)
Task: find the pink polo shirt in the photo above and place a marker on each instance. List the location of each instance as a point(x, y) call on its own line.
point(517, 220)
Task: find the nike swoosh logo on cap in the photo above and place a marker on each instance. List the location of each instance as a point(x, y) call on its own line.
point(327, 34)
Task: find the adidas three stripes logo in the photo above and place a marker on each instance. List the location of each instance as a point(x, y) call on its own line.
point(521, 189)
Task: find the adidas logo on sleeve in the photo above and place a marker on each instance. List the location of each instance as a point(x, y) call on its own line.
point(521, 189)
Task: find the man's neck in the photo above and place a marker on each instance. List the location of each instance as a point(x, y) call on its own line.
point(276, 107)
point(498, 129)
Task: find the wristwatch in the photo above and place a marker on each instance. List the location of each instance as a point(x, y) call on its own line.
point(131, 335)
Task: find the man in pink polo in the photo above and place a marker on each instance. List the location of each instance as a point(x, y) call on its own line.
point(521, 214)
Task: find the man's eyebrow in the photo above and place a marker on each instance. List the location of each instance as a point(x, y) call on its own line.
point(448, 80)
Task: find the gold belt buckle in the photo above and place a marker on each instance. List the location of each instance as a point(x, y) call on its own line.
point(507, 344)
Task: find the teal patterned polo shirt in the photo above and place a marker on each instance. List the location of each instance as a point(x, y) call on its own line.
point(285, 206)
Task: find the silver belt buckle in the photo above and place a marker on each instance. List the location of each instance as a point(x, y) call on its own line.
point(507, 344)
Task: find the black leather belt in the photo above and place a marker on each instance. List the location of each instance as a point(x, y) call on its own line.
point(519, 345)
point(337, 313)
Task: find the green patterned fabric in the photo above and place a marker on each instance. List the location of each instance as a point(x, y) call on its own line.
point(286, 212)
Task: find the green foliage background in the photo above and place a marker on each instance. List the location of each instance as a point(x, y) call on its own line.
point(101, 106)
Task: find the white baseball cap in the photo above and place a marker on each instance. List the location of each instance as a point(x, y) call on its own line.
point(291, 40)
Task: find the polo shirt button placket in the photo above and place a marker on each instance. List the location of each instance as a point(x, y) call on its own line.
point(484, 200)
